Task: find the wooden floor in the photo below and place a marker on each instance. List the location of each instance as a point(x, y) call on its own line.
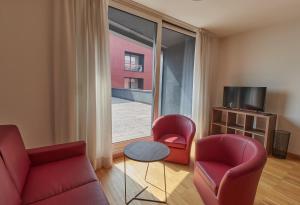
point(279, 185)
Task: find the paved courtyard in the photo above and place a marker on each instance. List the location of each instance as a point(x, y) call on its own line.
point(130, 119)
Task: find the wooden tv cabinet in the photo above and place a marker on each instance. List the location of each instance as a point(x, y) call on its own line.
point(258, 125)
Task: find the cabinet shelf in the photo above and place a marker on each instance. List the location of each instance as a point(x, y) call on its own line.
point(257, 132)
point(220, 123)
point(237, 127)
point(256, 125)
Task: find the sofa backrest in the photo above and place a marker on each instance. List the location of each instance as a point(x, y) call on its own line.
point(8, 191)
point(14, 155)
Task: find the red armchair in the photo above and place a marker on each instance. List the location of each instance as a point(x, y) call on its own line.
point(59, 174)
point(177, 132)
point(228, 169)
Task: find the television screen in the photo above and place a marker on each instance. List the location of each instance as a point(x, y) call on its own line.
point(249, 98)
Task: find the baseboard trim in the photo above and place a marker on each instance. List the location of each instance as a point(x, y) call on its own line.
point(293, 156)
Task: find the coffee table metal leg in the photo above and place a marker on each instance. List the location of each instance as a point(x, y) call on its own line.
point(165, 181)
point(125, 191)
point(136, 196)
point(146, 171)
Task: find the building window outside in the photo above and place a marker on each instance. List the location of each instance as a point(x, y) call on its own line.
point(134, 83)
point(134, 62)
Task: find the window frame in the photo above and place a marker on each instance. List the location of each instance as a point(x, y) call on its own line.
point(141, 58)
point(138, 79)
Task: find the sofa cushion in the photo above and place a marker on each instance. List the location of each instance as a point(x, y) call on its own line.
point(9, 194)
point(53, 178)
point(212, 173)
point(13, 153)
point(88, 194)
point(173, 140)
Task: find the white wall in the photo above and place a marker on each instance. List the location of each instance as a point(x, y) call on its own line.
point(266, 57)
point(25, 62)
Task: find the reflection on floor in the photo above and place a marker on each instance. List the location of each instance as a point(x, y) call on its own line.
point(130, 119)
point(279, 185)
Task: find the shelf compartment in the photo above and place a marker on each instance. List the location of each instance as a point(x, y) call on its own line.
point(239, 132)
point(236, 121)
point(249, 122)
point(248, 134)
point(230, 131)
point(240, 120)
point(231, 119)
point(260, 123)
point(219, 117)
point(218, 129)
point(259, 139)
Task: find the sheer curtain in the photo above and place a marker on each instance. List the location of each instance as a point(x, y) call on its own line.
point(205, 63)
point(187, 77)
point(82, 87)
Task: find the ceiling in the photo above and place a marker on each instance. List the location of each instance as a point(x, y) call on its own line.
point(227, 17)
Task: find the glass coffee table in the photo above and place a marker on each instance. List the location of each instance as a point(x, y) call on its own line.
point(146, 152)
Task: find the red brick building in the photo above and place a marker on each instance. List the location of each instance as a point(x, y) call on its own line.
point(131, 63)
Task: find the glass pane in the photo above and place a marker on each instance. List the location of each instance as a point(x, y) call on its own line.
point(134, 84)
point(132, 41)
point(127, 61)
point(133, 60)
point(177, 73)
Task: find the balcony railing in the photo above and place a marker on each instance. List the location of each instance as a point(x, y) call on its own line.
point(133, 67)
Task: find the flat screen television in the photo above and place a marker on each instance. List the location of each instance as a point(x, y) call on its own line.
point(247, 98)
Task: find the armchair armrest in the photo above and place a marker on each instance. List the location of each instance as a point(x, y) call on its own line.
point(158, 129)
point(243, 177)
point(56, 152)
point(190, 136)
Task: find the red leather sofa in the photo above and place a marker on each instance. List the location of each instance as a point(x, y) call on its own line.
point(228, 169)
point(177, 132)
point(59, 174)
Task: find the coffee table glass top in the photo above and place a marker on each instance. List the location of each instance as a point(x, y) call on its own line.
point(146, 151)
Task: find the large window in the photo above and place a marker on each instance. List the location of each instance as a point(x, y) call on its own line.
point(152, 66)
point(134, 62)
point(134, 83)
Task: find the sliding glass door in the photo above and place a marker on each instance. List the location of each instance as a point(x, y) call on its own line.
point(177, 66)
point(132, 51)
point(152, 66)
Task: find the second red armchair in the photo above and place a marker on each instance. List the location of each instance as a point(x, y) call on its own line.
point(177, 132)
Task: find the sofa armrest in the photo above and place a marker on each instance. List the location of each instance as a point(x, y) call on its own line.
point(56, 152)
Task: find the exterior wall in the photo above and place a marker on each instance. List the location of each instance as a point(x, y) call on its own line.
point(266, 57)
point(118, 46)
point(172, 80)
point(142, 96)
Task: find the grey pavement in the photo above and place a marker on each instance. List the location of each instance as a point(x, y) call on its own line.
point(130, 119)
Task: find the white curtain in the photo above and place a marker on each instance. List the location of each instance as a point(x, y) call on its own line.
point(187, 77)
point(64, 71)
point(205, 63)
point(83, 109)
